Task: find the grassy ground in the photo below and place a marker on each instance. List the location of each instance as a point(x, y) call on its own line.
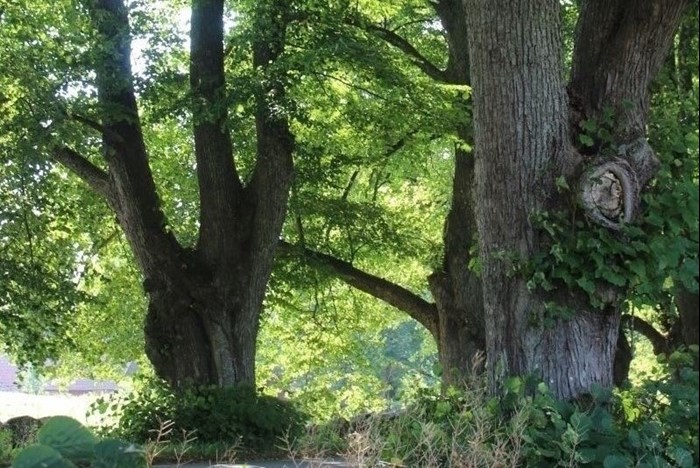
point(38, 406)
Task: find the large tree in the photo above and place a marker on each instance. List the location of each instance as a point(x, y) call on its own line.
point(205, 297)
point(525, 142)
point(535, 137)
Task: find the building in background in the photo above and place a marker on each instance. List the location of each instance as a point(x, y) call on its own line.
point(10, 382)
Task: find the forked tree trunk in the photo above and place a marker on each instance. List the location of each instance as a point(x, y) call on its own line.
point(522, 139)
point(204, 300)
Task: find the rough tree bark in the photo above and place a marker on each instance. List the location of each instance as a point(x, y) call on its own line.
point(523, 143)
point(204, 300)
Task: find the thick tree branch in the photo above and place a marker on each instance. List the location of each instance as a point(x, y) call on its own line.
point(418, 59)
point(271, 181)
point(657, 339)
point(136, 200)
point(96, 178)
point(418, 308)
point(219, 183)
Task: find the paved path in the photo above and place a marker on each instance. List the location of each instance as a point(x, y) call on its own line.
point(267, 464)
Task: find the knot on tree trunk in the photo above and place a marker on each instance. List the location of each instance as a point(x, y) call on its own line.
point(641, 156)
point(610, 188)
point(609, 192)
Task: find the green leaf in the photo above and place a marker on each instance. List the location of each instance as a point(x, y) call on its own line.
point(616, 461)
point(586, 140)
point(66, 435)
point(586, 284)
point(514, 384)
point(561, 184)
point(39, 455)
point(589, 125)
point(613, 277)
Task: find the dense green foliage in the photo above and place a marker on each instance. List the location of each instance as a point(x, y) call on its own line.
point(238, 417)
point(64, 442)
point(653, 425)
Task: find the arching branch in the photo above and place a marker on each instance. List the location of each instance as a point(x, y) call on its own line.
point(79, 165)
point(401, 43)
point(418, 308)
point(418, 59)
point(657, 339)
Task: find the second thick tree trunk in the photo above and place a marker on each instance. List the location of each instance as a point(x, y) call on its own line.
point(522, 146)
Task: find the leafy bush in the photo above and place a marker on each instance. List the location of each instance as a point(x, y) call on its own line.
point(212, 414)
point(64, 442)
point(6, 448)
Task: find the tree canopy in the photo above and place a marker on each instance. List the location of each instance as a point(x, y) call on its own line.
point(183, 135)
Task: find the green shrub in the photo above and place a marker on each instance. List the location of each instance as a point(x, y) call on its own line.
point(6, 448)
point(232, 415)
point(652, 425)
point(64, 442)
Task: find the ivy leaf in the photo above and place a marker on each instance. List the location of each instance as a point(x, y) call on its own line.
point(586, 284)
point(561, 184)
point(586, 140)
point(589, 125)
point(613, 277)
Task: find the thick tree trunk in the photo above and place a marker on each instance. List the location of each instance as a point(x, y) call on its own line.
point(522, 145)
point(456, 288)
point(459, 337)
point(522, 141)
point(192, 337)
point(205, 301)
